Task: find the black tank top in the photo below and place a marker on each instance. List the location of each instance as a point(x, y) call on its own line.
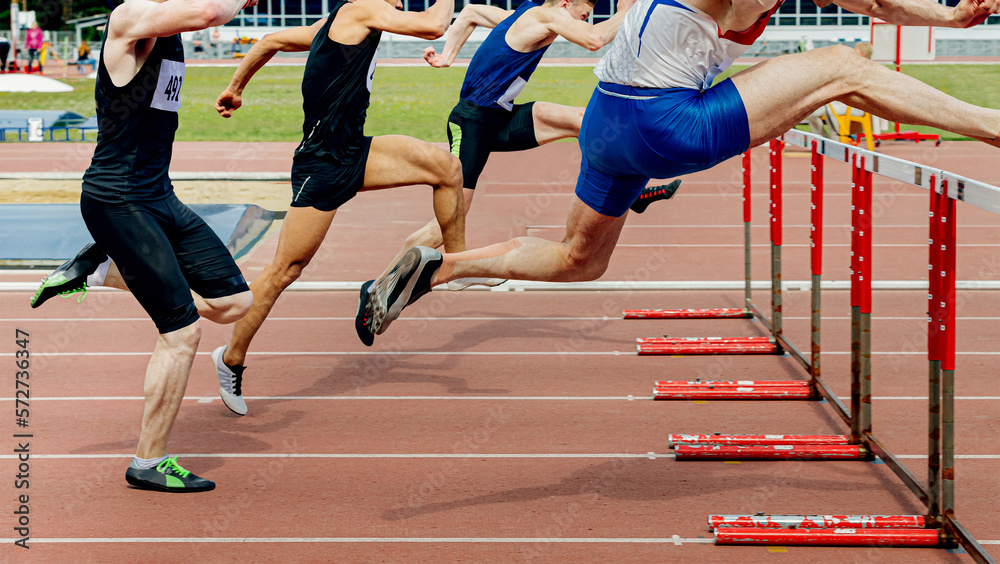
point(336, 88)
point(136, 125)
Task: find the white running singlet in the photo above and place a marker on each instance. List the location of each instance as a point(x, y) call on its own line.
point(668, 44)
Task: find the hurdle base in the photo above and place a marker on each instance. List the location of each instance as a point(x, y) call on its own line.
point(927, 538)
point(732, 394)
point(675, 439)
point(818, 521)
point(717, 313)
point(770, 452)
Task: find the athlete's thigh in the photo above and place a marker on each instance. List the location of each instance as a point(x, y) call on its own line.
point(781, 92)
point(207, 264)
point(302, 232)
point(133, 236)
point(518, 134)
point(398, 160)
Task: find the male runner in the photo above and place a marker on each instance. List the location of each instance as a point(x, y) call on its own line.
point(335, 159)
point(162, 251)
point(655, 113)
point(486, 120)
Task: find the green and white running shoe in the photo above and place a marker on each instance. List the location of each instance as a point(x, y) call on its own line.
point(71, 277)
point(168, 476)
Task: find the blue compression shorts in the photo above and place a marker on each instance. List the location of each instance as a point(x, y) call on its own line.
point(630, 135)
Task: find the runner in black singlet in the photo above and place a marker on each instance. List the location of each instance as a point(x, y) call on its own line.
point(335, 159)
point(171, 261)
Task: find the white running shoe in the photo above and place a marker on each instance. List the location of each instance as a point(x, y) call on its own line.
point(463, 283)
point(229, 383)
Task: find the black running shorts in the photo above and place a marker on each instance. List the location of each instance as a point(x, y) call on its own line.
point(164, 250)
point(325, 185)
point(474, 132)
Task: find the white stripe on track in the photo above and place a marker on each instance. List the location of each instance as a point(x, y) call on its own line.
point(505, 318)
point(209, 399)
point(675, 540)
point(467, 353)
point(413, 456)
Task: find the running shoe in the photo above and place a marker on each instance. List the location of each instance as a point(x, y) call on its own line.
point(71, 277)
point(168, 476)
point(230, 382)
point(409, 279)
point(652, 194)
point(362, 317)
point(463, 283)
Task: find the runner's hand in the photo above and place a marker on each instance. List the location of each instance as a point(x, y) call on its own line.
point(228, 103)
point(969, 13)
point(433, 59)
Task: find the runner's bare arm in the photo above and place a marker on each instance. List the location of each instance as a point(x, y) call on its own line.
point(921, 12)
point(141, 19)
point(468, 19)
point(296, 39)
point(432, 23)
point(589, 36)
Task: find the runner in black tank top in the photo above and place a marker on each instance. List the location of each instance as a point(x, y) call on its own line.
point(335, 159)
point(161, 250)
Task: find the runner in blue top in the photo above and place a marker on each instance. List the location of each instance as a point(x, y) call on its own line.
point(486, 119)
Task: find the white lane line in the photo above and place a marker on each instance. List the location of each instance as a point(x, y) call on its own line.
point(210, 399)
point(414, 456)
point(463, 353)
point(675, 540)
point(505, 318)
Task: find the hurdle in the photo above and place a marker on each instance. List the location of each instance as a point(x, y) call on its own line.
point(938, 527)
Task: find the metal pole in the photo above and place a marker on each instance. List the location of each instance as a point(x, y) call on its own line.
point(855, 309)
point(816, 258)
point(865, 306)
point(747, 295)
point(776, 149)
point(948, 244)
point(934, 362)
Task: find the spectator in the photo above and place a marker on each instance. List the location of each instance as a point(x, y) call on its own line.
point(33, 43)
point(83, 57)
point(4, 50)
point(198, 42)
point(213, 43)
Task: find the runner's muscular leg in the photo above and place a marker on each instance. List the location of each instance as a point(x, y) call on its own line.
point(782, 91)
point(554, 121)
point(302, 233)
point(583, 255)
point(397, 160)
point(430, 235)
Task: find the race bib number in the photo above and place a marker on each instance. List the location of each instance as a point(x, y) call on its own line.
point(371, 69)
point(167, 96)
point(507, 100)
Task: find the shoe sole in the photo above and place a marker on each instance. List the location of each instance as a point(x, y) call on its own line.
point(366, 336)
point(144, 485)
point(217, 360)
point(71, 270)
point(409, 274)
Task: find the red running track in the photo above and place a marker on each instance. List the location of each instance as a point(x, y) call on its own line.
point(509, 426)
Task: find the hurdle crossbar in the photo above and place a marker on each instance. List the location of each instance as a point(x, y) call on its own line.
point(945, 189)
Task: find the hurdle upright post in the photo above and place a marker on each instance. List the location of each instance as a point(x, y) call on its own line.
point(934, 360)
point(776, 146)
point(816, 258)
point(747, 274)
point(855, 306)
point(947, 344)
point(865, 224)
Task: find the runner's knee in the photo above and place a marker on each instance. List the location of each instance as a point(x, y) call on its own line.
point(183, 341)
point(582, 267)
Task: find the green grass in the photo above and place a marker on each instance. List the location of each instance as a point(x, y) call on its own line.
point(413, 101)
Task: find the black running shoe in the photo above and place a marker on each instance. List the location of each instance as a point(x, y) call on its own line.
point(168, 476)
point(362, 318)
point(409, 279)
point(71, 277)
point(652, 194)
